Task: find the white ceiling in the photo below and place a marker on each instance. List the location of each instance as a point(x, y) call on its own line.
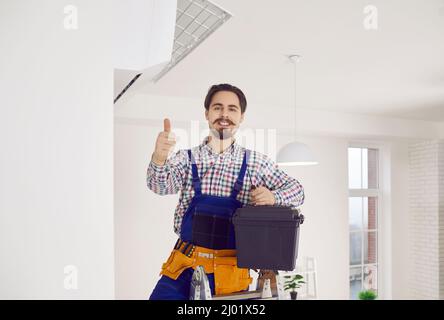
point(396, 71)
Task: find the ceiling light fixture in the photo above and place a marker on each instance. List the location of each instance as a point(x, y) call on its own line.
point(196, 20)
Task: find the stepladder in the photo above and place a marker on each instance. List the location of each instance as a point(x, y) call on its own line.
point(269, 287)
point(270, 284)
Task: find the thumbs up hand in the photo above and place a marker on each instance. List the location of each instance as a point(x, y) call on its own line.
point(164, 144)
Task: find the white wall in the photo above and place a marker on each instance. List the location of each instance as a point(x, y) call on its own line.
point(324, 234)
point(310, 121)
point(56, 123)
point(143, 221)
point(399, 228)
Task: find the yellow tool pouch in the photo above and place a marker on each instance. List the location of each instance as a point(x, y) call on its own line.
point(176, 264)
point(228, 278)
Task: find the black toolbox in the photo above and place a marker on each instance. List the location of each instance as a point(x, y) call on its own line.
point(267, 237)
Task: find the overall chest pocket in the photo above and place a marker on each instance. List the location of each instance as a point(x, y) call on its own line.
point(212, 226)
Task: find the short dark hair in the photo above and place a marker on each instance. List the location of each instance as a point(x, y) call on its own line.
point(226, 87)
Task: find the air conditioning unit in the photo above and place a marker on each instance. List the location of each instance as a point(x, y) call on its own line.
point(144, 33)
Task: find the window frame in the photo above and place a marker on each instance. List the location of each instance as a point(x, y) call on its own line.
point(378, 194)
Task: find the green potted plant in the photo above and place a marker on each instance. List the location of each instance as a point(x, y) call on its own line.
point(292, 284)
point(367, 295)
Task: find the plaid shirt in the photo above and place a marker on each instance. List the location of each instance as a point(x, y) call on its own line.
point(218, 172)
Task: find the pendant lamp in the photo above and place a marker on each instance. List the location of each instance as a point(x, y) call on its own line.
point(295, 153)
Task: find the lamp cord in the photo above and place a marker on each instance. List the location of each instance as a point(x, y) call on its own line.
point(294, 59)
point(295, 113)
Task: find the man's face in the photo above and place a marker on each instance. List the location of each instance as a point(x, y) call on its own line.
point(224, 114)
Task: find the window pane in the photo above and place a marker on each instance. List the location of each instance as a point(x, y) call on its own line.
point(371, 278)
point(362, 168)
point(370, 208)
point(355, 282)
point(355, 213)
point(370, 247)
point(354, 168)
point(355, 248)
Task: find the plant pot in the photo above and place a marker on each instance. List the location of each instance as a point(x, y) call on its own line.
point(293, 295)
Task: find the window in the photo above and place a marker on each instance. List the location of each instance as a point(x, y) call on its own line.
point(363, 175)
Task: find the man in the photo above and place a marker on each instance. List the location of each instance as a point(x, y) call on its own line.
point(214, 179)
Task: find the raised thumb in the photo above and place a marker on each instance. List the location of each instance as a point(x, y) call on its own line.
point(166, 125)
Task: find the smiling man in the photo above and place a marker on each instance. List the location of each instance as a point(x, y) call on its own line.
point(214, 179)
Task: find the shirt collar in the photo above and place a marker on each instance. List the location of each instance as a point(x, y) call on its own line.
point(205, 146)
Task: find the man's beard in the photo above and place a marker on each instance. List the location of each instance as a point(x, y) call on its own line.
point(222, 134)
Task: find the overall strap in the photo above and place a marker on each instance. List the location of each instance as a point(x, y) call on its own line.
point(240, 179)
point(196, 181)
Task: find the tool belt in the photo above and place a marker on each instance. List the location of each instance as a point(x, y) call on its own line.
point(228, 278)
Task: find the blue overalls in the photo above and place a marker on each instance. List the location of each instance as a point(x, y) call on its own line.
point(202, 205)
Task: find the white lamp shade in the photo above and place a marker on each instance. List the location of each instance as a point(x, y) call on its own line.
point(295, 154)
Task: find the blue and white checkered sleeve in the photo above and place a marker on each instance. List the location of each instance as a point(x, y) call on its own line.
point(169, 178)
